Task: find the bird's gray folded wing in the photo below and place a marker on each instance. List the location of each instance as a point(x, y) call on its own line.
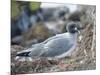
point(36, 50)
point(39, 48)
point(54, 37)
point(56, 47)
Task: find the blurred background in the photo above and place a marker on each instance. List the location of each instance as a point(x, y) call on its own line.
point(38, 21)
point(34, 22)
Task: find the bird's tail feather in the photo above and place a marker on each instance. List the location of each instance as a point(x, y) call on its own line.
point(24, 54)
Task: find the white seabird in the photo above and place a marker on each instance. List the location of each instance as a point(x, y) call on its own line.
point(58, 46)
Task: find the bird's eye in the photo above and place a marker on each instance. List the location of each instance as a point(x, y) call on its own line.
point(73, 26)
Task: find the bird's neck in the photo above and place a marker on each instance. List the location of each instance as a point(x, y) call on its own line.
point(72, 35)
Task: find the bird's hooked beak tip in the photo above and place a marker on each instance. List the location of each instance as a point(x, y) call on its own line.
point(78, 31)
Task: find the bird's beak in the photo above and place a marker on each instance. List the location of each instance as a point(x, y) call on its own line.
point(76, 29)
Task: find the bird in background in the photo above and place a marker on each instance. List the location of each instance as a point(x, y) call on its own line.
point(56, 47)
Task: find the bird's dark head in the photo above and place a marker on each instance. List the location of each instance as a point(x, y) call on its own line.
point(73, 27)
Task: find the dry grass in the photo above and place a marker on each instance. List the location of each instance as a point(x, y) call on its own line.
point(83, 58)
